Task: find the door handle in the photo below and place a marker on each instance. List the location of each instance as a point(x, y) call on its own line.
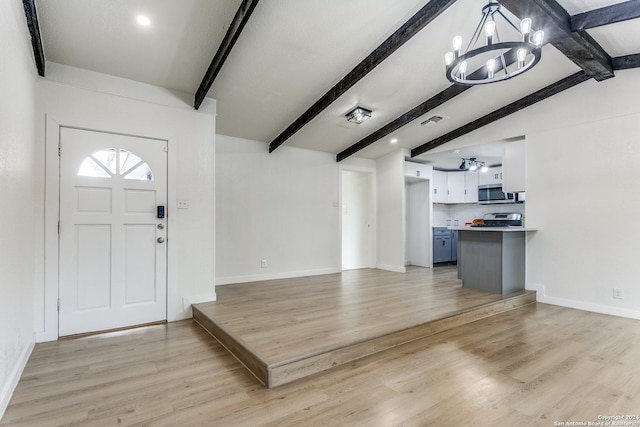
point(160, 226)
point(160, 239)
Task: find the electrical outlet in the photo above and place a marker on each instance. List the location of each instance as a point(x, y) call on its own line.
point(617, 293)
point(263, 264)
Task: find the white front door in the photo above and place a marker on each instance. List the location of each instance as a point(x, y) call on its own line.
point(112, 244)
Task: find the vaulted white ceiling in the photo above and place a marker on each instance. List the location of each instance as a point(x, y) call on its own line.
point(293, 51)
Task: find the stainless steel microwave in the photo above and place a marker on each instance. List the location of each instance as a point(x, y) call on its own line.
point(492, 193)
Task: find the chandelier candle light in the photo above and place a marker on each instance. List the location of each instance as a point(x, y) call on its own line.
point(499, 60)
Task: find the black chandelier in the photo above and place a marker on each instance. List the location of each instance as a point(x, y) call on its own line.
point(500, 60)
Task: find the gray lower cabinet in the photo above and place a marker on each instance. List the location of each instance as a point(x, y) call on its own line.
point(492, 261)
point(445, 245)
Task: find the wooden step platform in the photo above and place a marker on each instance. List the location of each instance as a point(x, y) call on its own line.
point(283, 330)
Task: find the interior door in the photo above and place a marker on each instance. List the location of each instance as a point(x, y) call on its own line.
point(112, 242)
point(356, 222)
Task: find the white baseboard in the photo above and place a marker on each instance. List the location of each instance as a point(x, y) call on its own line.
point(274, 276)
point(541, 296)
point(394, 268)
point(14, 377)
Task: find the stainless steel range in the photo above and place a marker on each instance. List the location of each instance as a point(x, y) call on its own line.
point(500, 220)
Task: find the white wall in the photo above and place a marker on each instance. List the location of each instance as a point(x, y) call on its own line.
point(391, 211)
point(21, 187)
point(582, 201)
point(280, 207)
point(581, 169)
point(91, 100)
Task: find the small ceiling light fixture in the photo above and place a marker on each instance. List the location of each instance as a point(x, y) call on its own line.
point(393, 140)
point(358, 115)
point(501, 60)
point(143, 20)
point(472, 164)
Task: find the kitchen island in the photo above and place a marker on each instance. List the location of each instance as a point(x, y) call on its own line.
point(492, 259)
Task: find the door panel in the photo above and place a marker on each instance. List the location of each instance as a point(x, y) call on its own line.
point(139, 263)
point(112, 246)
point(93, 200)
point(93, 267)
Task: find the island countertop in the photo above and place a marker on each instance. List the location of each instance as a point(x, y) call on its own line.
point(507, 229)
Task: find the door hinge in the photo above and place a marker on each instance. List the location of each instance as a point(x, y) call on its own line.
point(59, 150)
point(58, 304)
point(58, 227)
point(166, 149)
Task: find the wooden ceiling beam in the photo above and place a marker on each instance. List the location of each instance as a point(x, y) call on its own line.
point(606, 15)
point(409, 29)
point(578, 46)
point(433, 102)
point(34, 30)
point(627, 61)
point(235, 29)
point(505, 111)
point(428, 105)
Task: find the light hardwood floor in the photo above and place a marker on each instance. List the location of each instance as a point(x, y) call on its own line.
point(535, 365)
point(281, 317)
point(284, 330)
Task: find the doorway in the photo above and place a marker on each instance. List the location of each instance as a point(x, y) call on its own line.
point(357, 218)
point(112, 231)
point(418, 223)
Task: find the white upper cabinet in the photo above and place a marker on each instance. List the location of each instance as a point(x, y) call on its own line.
point(455, 187)
point(471, 187)
point(455, 184)
point(491, 177)
point(514, 167)
point(440, 187)
point(417, 170)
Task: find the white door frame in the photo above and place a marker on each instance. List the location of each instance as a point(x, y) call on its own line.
point(52, 211)
point(373, 231)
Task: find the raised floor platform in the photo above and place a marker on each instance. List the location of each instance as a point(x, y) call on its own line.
point(283, 330)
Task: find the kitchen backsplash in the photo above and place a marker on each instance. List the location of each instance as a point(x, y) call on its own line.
point(467, 213)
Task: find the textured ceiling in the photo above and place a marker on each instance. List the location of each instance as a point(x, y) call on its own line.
point(292, 51)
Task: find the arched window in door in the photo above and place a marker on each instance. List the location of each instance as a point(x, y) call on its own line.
point(110, 162)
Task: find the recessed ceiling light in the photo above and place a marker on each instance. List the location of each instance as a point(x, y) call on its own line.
point(143, 20)
point(394, 140)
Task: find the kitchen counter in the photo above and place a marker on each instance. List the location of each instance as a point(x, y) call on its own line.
point(510, 228)
point(492, 259)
